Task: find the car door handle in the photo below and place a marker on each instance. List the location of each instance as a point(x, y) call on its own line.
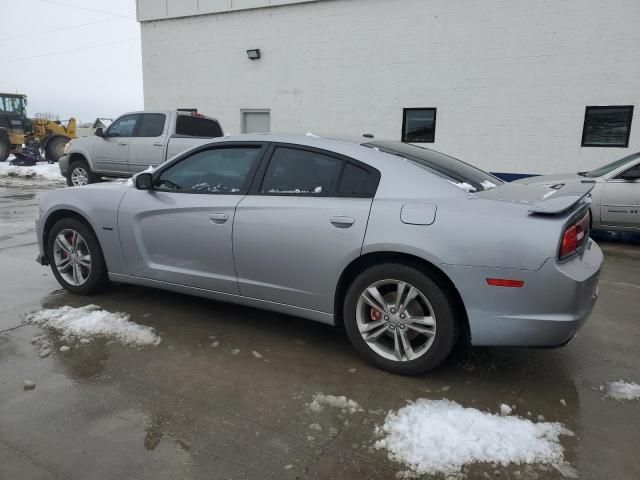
point(342, 222)
point(218, 217)
point(157, 144)
point(122, 143)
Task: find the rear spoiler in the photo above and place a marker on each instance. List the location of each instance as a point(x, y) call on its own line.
point(564, 196)
point(550, 198)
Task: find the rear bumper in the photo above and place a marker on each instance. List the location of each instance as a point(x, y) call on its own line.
point(547, 311)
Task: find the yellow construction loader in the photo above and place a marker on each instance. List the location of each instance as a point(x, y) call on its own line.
point(31, 140)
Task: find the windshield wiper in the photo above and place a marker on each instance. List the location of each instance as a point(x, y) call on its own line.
point(583, 174)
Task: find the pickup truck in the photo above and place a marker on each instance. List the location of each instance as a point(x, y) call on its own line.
point(133, 142)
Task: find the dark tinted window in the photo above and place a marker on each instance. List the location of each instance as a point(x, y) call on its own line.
point(456, 171)
point(197, 127)
point(222, 170)
point(419, 125)
point(355, 181)
point(633, 172)
point(598, 172)
point(607, 126)
point(293, 171)
point(123, 126)
point(151, 125)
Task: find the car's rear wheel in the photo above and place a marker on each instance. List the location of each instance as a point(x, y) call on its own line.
point(76, 257)
point(80, 174)
point(400, 319)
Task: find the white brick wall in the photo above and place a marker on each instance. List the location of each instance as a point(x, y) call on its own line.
point(510, 78)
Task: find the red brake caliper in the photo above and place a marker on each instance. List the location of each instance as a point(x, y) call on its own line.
point(375, 314)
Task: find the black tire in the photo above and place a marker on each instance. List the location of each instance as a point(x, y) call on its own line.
point(5, 149)
point(84, 166)
point(446, 330)
point(97, 278)
point(54, 149)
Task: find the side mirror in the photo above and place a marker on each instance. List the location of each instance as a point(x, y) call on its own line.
point(99, 133)
point(144, 181)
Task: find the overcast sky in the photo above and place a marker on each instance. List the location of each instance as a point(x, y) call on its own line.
point(72, 57)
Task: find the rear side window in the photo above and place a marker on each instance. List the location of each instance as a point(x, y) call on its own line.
point(355, 181)
point(151, 125)
point(293, 171)
point(192, 126)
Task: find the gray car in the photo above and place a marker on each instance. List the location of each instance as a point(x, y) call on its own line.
point(409, 249)
point(615, 196)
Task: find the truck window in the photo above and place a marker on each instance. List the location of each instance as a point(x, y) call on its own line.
point(197, 127)
point(151, 125)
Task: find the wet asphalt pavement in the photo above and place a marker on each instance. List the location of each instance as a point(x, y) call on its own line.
point(186, 409)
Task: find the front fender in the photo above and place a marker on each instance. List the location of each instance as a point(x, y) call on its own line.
point(98, 205)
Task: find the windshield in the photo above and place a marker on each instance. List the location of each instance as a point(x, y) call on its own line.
point(598, 172)
point(451, 169)
point(12, 104)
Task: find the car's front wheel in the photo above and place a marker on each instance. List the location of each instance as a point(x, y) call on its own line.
point(400, 319)
point(76, 257)
point(80, 174)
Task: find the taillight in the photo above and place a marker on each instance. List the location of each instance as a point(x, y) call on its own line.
point(575, 236)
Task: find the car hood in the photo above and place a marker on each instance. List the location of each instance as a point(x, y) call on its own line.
point(83, 143)
point(550, 179)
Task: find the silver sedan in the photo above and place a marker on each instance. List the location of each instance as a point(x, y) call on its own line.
point(616, 193)
point(410, 250)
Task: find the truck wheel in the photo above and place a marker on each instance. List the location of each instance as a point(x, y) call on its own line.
point(55, 148)
point(5, 149)
point(400, 319)
point(80, 174)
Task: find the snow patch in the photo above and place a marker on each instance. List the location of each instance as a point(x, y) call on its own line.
point(91, 320)
point(341, 402)
point(505, 410)
point(621, 390)
point(464, 186)
point(47, 172)
point(312, 135)
point(440, 436)
point(487, 185)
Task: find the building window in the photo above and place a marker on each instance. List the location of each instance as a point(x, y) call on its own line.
point(419, 125)
point(608, 126)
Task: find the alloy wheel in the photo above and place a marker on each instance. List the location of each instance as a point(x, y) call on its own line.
point(396, 320)
point(71, 257)
point(79, 177)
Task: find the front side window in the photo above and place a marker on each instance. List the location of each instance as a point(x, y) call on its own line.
point(192, 126)
point(151, 125)
point(123, 126)
point(419, 125)
point(294, 171)
point(221, 170)
point(607, 126)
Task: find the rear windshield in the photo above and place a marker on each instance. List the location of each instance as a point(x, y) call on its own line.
point(451, 169)
point(192, 126)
